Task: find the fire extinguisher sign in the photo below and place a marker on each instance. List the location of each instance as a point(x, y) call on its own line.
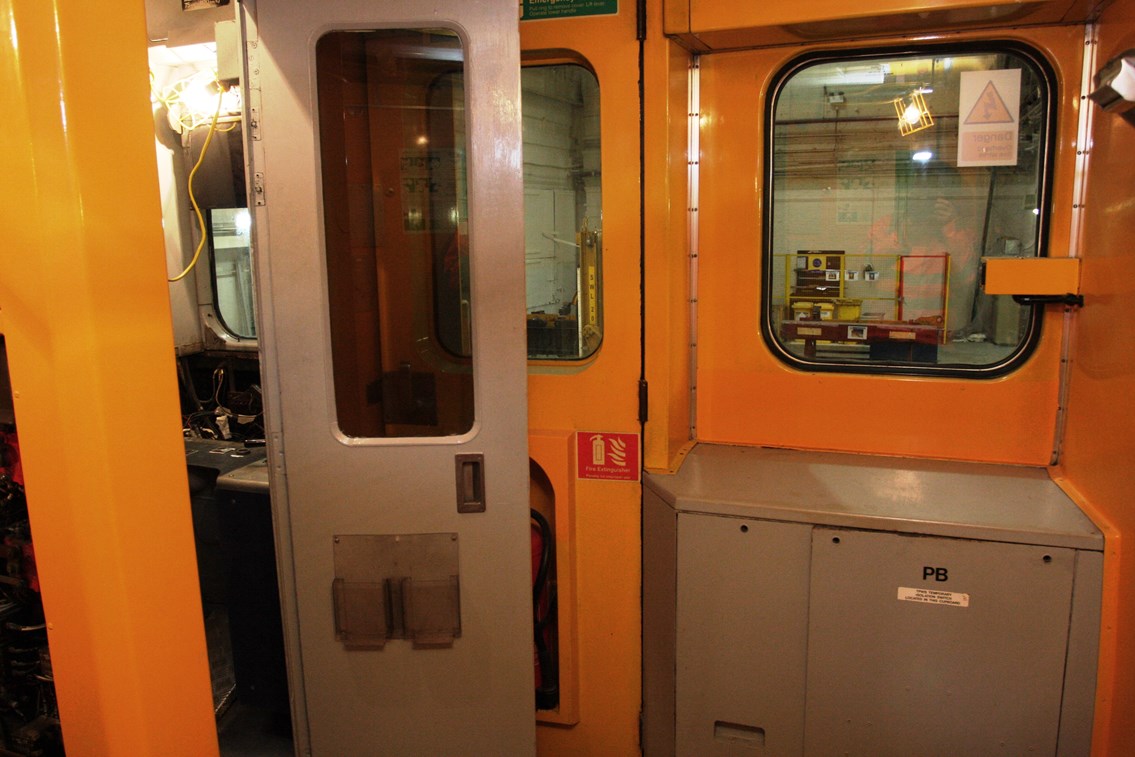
point(607, 455)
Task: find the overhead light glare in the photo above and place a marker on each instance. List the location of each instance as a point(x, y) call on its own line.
point(922, 156)
point(873, 74)
point(913, 113)
point(243, 221)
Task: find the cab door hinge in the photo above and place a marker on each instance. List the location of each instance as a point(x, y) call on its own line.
point(643, 405)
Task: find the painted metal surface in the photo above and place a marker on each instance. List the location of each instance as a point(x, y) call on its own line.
point(659, 644)
point(722, 25)
point(1032, 276)
point(742, 636)
point(746, 396)
point(86, 320)
point(928, 497)
point(1100, 430)
point(599, 394)
point(983, 675)
point(671, 284)
point(118, 571)
point(822, 602)
point(476, 696)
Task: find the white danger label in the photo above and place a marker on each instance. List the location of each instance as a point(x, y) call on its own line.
point(933, 597)
point(989, 105)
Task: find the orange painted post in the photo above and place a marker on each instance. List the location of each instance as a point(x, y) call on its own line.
point(668, 267)
point(84, 309)
point(1099, 443)
point(600, 395)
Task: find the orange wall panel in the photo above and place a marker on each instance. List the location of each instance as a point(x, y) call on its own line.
point(601, 394)
point(747, 396)
point(708, 15)
point(667, 255)
point(1100, 438)
point(724, 24)
point(85, 315)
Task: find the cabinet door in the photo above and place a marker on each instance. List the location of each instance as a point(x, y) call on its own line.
point(742, 619)
point(930, 646)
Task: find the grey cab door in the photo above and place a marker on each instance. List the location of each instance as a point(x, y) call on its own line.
point(386, 149)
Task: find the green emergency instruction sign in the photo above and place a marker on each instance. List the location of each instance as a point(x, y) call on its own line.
point(536, 9)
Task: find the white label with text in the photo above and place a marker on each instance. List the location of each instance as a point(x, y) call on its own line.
point(933, 597)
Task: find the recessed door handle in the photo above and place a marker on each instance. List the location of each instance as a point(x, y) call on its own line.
point(471, 483)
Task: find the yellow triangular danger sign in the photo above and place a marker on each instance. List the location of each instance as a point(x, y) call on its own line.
point(989, 108)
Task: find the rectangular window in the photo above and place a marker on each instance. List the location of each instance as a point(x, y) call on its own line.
point(392, 140)
point(562, 211)
point(892, 176)
point(233, 292)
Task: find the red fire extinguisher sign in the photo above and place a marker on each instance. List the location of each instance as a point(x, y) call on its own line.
point(607, 455)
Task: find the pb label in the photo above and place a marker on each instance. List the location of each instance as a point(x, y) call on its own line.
point(938, 574)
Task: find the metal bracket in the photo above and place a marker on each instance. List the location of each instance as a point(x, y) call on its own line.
point(258, 187)
point(1071, 300)
point(402, 586)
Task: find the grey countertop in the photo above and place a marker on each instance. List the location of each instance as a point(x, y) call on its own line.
point(1005, 503)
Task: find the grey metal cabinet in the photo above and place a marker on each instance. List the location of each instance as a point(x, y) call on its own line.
point(819, 604)
point(742, 610)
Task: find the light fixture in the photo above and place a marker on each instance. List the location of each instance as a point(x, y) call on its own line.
point(194, 100)
point(913, 113)
point(922, 156)
point(1115, 86)
point(199, 96)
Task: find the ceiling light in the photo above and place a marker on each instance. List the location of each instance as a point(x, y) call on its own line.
point(913, 113)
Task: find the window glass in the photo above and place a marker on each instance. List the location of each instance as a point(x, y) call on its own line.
point(232, 270)
point(891, 177)
point(392, 142)
point(562, 211)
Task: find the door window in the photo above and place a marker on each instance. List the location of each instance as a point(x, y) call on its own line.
point(393, 140)
point(232, 270)
point(563, 228)
point(392, 136)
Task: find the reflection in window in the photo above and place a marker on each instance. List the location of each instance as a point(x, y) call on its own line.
point(891, 178)
point(232, 270)
point(562, 204)
point(392, 140)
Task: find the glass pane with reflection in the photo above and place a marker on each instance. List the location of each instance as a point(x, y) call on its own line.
point(891, 178)
point(232, 270)
point(392, 140)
